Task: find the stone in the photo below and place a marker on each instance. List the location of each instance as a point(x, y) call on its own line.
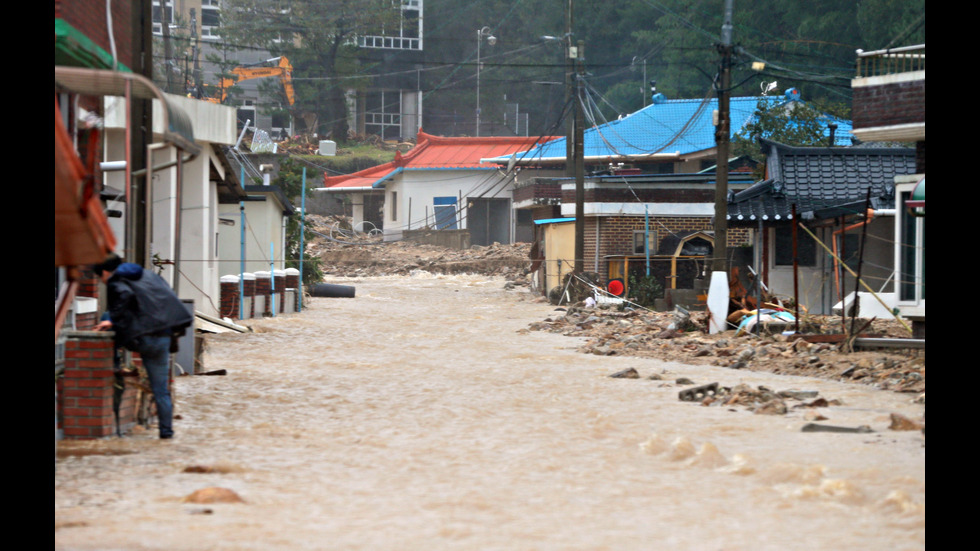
point(214, 495)
point(772, 407)
point(630, 373)
point(901, 422)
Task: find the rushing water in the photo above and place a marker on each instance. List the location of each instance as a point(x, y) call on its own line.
point(419, 416)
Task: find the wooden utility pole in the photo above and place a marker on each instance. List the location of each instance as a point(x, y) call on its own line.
point(140, 128)
point(579, 163)
point(718, 290)
point(722, 139)
point(569, 72)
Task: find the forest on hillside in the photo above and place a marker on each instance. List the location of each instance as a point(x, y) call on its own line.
point(627, 43)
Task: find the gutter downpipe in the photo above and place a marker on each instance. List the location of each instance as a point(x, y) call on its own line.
point(272, 275)
point(646, 235)
point(302, 247)
point(130, 207)
point(241, 263)
point(148, 197)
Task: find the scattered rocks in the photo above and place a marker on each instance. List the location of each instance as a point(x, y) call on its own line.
point(677, 336)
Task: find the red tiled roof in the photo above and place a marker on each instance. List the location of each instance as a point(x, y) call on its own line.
point(439, 153)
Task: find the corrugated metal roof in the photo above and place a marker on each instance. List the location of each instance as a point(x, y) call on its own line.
point(672, 126)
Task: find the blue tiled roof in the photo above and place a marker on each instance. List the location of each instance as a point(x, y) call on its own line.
point(823, 182)
point(671, 126)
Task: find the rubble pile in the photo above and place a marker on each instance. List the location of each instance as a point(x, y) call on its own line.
point(347, 254)
point(682, 337)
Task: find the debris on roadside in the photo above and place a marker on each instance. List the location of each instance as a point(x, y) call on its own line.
point(682, 336)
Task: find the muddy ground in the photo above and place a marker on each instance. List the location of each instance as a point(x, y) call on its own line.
point(630, 330)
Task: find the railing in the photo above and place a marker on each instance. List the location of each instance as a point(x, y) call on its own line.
point(891, 61)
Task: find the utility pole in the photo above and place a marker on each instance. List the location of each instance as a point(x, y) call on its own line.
point(579, 161)
point(569, 72)
point(140, 126)
point(718, 290)
point(198, 84)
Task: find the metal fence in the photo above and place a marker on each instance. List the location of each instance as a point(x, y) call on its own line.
point(891, 61)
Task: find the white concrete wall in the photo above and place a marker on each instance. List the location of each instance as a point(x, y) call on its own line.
point(213, 126)
point(817, 285)
point(265, 224)
point(417, 189)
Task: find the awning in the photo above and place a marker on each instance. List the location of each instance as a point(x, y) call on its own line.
point(72, 48)
point(918, 199)
point(178, 129)
point(81, 232)
point(554, 220)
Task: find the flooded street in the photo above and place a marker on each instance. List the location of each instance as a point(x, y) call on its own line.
point(420, 416)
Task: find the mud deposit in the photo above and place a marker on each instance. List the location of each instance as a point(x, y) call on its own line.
point(422, 414)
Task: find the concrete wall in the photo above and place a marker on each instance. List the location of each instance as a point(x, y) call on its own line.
point(264, 225)
point(198, 208)
point(818, 288)
point(417, 189)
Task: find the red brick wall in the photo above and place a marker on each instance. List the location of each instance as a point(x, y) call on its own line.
point(889, 104)
point(86, 387)
point(85, 391)
point(89, 17)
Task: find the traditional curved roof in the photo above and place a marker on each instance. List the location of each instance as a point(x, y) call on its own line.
point(822, 182)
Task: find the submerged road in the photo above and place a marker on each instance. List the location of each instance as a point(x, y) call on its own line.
point(420, 415)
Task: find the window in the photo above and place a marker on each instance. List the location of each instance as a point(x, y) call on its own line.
point(406, 34)
point(163, 12)
point(210, 19)
point(783, 244)
point(639, 242)
point(382, 115)
point(445, 213)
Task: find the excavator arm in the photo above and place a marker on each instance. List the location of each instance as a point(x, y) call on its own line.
point(282, 69)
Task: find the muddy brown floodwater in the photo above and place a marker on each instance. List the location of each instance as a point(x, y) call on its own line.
point(419, 416)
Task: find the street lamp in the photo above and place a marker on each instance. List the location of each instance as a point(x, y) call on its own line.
point(491, 39)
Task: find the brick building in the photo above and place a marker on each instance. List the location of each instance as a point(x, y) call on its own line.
point(890, 105)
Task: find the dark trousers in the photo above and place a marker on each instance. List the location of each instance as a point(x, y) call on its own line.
point(155, 352)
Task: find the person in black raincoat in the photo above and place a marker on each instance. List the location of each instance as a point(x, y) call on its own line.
point(147, 317)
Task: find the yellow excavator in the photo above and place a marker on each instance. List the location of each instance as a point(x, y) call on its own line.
point(282, 69)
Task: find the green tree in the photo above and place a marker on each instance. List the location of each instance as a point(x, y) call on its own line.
point(792, 123)
point(290, 179)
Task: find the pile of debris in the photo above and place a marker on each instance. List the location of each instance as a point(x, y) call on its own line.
point(682, 337)
point(348, 254)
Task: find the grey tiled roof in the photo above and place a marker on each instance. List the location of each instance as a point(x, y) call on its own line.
point(823, 182)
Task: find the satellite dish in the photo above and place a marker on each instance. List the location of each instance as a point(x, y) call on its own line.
point(767, 87)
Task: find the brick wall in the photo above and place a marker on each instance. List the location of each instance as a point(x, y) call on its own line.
point(616, 235)
point(85, 390)
point(89, 17)
point(889, 104)
point(646, 195)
